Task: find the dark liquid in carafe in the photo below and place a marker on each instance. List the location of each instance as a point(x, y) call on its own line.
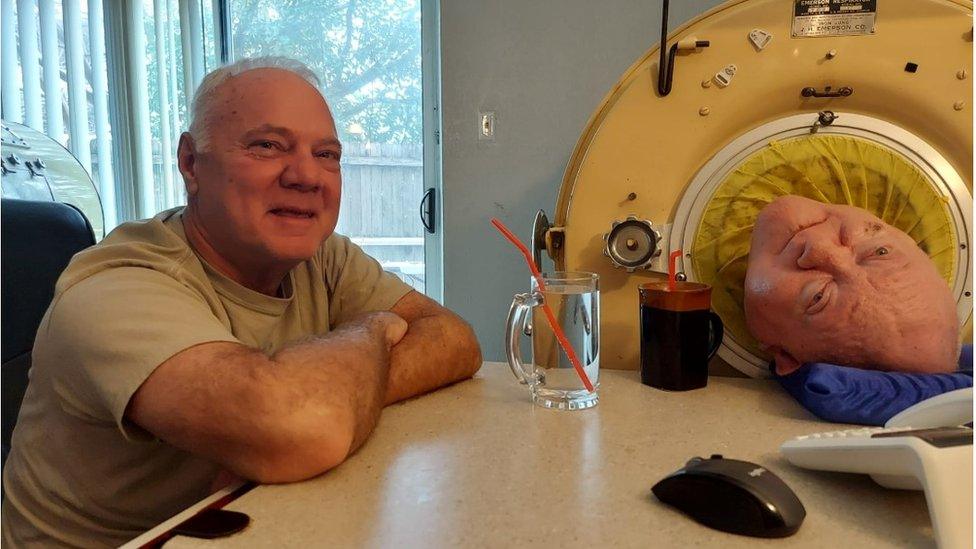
point(674, 348)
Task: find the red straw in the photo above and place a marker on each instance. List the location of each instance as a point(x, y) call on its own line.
point(560, 336)
point(673, 268)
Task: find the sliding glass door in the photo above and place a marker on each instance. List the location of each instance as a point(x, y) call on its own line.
point(112, 80)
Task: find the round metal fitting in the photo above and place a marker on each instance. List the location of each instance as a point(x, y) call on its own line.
point(632, 243)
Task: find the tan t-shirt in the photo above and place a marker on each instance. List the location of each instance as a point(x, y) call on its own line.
point(78, 472)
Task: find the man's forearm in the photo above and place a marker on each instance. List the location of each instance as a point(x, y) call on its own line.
point(436, 351)
point(359, 377)
point(278, 419)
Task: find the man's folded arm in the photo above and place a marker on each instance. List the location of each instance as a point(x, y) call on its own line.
point(439, 348)
point(273, 419)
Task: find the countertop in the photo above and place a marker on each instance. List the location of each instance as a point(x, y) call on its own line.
point(477, 465)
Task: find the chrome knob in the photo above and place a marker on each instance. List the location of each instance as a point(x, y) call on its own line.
point(632, 243)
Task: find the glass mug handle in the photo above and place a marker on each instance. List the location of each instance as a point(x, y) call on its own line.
point(515, 325)
point(716, 331)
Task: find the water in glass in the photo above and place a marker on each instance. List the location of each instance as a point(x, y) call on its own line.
point(576, 309)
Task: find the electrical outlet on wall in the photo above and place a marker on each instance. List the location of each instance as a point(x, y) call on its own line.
point(486, 125)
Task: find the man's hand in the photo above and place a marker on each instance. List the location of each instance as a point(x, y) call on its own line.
point(439, 348)
point(389, 326)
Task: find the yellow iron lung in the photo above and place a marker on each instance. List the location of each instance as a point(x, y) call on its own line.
point(645, 155)
point(828, 168)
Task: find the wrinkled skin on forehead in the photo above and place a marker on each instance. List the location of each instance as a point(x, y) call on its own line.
point(829, 283)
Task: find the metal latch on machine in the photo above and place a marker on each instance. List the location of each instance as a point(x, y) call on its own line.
point(824, 119)
point(810, 91)
point(724, 77)
point(546, 237)
point(760, 38)
point(632, 243)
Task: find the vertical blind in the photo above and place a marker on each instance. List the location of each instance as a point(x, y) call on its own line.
point(111, 80)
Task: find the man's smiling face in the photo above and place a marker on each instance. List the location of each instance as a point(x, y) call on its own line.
point(829, 283)
point(268, 183)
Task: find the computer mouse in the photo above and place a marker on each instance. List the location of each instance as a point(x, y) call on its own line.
point(733, 496)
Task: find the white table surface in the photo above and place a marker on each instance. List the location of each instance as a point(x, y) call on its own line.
point(476, 465)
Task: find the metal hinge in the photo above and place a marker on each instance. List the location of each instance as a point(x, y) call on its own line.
point(555, 237)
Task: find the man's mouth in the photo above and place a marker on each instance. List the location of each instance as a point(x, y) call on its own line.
point(293, 212)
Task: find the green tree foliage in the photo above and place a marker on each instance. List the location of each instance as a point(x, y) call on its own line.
point(367, 53)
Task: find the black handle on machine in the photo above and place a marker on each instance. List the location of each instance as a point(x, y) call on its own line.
point(428, 210)
point(810, 91)
point(665, 65)
point(665, 68)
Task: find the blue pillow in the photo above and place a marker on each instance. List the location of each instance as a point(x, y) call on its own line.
point(851, 395)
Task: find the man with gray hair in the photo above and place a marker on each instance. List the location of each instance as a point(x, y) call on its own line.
point(236, 337)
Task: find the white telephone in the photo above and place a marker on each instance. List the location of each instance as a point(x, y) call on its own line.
point(952, 408)
point(925, 447)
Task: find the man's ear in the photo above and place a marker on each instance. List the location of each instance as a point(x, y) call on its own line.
point(785, 362)
point(186, 155)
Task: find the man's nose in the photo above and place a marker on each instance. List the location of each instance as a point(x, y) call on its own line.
point(303, 173)
point(825, 254)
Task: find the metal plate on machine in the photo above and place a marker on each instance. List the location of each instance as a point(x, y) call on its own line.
point(34, 166)
point(23, 184)
point(820, 18)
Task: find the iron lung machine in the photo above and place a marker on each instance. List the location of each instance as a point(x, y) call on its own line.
point(36, 167)
point(866, 103)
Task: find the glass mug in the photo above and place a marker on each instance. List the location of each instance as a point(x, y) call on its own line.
point(574, 298)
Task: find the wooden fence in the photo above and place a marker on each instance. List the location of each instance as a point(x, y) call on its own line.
point(382, 185)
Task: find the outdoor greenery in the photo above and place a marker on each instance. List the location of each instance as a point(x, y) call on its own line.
point(367, 53)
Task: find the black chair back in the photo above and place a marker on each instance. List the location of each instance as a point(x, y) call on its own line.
point(37, 240)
